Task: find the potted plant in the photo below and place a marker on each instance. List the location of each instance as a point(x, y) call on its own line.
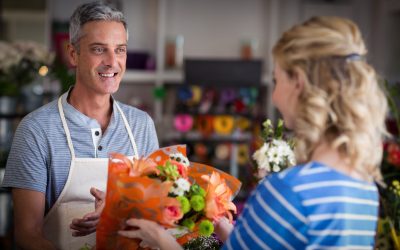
point(21, 63)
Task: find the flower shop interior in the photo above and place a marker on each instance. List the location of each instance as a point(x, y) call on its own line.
point(201, 69)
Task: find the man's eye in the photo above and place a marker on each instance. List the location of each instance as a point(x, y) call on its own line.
point(98, 50)
point(121, 50)
point(274, 81)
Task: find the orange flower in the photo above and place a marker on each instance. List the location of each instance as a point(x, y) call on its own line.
point(218, 198)
point(143, 167)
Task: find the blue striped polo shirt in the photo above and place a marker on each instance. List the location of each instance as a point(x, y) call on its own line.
point(40, 159)
point(309, 206)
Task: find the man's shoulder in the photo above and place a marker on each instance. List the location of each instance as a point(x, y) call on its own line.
point(43, 115)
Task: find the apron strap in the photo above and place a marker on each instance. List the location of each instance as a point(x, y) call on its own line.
point(128, 128)
point(64, 123)
point(69, 140)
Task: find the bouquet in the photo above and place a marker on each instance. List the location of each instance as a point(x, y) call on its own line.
point(165, 187)
point(276, 153)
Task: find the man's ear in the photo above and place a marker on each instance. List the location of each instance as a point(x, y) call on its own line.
point(72, 54)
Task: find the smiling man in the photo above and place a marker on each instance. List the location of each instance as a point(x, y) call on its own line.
point(57, 167)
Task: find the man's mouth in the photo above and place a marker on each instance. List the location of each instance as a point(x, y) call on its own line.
point(107, 75)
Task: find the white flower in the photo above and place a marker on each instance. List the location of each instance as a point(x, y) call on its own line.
point(276, 168)
point(260, 156)
point(34, 52)
point(179, 157)
point(180, 186)
point(9, 56)
point(274, 156)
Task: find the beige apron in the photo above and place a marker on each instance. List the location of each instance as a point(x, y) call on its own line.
point(75, 199)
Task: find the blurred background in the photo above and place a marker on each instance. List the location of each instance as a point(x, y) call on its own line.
point(201, 69)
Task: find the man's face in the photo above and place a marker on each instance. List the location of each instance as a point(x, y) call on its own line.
point(101, 59)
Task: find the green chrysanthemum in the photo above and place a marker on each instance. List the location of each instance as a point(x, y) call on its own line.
point(197, 202)
point(185, 204)
point(197, 190)
point(189, 224)
point(206, 228)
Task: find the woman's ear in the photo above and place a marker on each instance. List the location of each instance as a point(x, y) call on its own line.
point(299, 79)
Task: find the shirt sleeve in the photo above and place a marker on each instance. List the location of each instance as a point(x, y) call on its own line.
point(272, 219)
point(26, 165)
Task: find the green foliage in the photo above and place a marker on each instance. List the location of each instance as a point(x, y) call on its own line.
point(169, 171)
point(393, 95)
point(270, 132)
point(65, 75)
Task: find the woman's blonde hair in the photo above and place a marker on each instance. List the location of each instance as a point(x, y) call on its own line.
point(341, 102)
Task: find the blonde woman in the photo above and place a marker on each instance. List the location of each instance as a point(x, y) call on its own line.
point(329, 96)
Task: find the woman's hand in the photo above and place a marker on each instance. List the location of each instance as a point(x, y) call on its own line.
point(152, 234)
point(223, 228)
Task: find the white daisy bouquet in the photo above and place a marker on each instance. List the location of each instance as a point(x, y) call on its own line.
point(276, 153)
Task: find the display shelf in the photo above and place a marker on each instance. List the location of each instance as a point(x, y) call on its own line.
point(168, 77)
point(152, 77)
point(194, 136)
point(142, 76)
point(138, 76)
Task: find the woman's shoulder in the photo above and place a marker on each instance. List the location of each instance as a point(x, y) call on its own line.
point(315, 174)
point(308, 174)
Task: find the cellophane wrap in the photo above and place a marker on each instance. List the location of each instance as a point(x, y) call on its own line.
point(144, 197)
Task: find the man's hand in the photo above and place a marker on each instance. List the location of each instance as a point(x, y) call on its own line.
point(87, 224)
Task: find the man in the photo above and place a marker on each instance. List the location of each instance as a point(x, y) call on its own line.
point(58, 159)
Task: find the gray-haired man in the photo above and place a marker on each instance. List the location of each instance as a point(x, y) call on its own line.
point(60, 151)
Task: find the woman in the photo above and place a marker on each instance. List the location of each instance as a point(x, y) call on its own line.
point(329, 96)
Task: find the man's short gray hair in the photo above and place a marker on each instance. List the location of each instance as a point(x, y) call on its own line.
point(94, 11)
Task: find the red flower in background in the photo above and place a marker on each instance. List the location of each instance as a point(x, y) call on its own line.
point(393, 154)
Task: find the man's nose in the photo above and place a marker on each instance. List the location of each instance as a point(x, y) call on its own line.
point(110, 59)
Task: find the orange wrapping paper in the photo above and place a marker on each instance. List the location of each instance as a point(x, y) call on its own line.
point(143, 197)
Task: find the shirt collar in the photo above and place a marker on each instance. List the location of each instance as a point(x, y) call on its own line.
point(75, 115)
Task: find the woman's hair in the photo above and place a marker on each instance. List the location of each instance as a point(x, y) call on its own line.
point(341, 102)
point(88, 12)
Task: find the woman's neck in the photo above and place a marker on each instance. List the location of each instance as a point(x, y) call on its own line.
point(326, 154)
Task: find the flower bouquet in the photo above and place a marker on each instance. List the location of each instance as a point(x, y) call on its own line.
point(276, 153)
point(165, 187)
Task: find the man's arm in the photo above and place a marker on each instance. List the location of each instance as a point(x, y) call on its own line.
point(29, 209)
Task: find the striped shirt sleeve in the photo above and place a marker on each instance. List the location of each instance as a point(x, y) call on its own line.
point(29, 150)
point(273, 219)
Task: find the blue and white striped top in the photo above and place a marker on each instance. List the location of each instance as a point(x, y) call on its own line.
point(39, 158)
point(310, 206)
